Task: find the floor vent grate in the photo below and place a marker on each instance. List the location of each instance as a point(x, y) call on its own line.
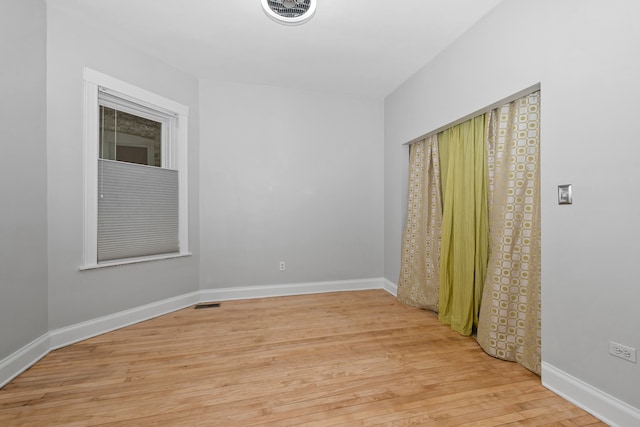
point(207, 305)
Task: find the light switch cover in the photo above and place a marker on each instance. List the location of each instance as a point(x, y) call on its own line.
point(565, 196)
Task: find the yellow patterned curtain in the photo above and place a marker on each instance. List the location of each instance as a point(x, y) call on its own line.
point(465, 228)
point(419, 275)
point(509, 326)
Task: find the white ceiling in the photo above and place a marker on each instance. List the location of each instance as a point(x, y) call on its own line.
point(363, 48)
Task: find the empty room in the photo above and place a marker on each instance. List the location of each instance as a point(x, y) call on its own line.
point(311, 212)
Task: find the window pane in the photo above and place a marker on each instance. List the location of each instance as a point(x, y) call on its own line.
point(129, 138)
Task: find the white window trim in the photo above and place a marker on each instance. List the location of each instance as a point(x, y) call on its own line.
point(94, 82)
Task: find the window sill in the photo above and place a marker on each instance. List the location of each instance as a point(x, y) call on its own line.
point(127, 261)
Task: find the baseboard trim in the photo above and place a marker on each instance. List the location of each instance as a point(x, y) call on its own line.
point(389, 286)
point(23, 359)
point(268, 291)
point(98, 326)
point(607, 408)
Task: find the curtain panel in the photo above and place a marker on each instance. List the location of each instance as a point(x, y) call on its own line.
point(509, 326)
point(465, 224)
point(420, 265)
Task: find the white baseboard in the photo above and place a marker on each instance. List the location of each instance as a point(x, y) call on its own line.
point(389, 286)
point(249, 292)
point(600, 404)
point(98, 326)
point(23, 359)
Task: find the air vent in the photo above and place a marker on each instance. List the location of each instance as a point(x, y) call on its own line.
point(207, 305)
point(289, 12)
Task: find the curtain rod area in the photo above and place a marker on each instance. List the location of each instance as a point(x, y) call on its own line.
point(511, 98)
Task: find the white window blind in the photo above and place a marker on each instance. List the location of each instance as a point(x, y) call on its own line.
point(138, 210)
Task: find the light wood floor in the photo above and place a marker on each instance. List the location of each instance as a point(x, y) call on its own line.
point(354, 358)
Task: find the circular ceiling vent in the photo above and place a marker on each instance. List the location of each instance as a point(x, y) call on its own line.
point(289, 12)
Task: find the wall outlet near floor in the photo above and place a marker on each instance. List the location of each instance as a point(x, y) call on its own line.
point(622, 351)
point(283, 266)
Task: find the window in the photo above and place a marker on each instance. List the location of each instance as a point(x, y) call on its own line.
point(135, 174)
point(129, 137)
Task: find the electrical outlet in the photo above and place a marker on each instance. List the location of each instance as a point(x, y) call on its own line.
point(622, 351)
point(283, 266)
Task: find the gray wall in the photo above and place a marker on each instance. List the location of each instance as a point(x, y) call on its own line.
point(584, 54)
point(76, 296)
point(23, 174)
point(292, 176)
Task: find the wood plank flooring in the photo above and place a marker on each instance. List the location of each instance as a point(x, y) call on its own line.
point(352, 359)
